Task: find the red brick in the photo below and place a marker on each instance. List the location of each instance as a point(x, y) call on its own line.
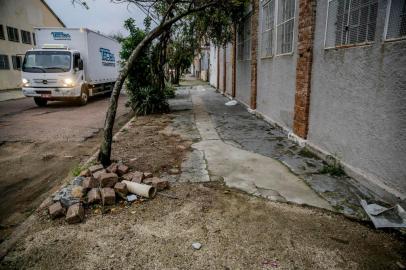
point(112, 168)
point(93, 196)
point(75, 213)
point(90, 183)
point(158, 183)
point(108, 196)
point(56, 210)
point(108, 179)
point(122, 169)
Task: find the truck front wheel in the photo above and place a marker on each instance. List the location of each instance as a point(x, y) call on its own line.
point(40, 102)
point(84, 96)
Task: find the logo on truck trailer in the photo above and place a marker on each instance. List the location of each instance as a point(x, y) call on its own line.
point(60, 36)
point(107, 57)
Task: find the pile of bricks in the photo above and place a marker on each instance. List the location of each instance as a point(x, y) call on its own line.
point(98, 185)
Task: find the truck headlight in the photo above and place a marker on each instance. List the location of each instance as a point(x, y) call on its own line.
point(68, 82)
point(25, 82)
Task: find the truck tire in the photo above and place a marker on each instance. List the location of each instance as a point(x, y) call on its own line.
point(84, 96)
point(40, 102)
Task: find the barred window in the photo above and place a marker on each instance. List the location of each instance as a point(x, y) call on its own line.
point(12, 34)
point(17, 61)
point(2, 32)
point(244, 39)
point(284, 27)
point(268, 25)
point(4, 64)
point(25, 37)
point(351, 22)
point(396, 24)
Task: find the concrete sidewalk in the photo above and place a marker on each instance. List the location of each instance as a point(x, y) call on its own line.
point(258, 158)
point(11, 94)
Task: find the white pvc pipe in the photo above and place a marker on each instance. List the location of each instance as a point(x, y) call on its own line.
point(140, 189)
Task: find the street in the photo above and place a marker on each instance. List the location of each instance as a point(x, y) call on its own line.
point(39, 146)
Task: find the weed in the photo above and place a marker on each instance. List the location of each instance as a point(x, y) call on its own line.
point(334, 169)
point(75, 171)
point(304, 152)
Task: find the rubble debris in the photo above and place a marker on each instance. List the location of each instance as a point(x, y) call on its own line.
point(231, 103)
point(180, 147)
point(90, 183)
point(45, 204)
point(56, 210)
point(382, 217)
point(174, 171)
point(108, 179)
point(158, 183)
point(147, 175)
point(77, 192)
point(77, 181)
point(95, 168)
point(108, 196)
point(65, 196)
point(121, 189)
point(137, 177)
point(196, 246)
point(122, 169)
point(85, 173)
point(97, 174)
point(132, 197)
point(75, 213)
point(93, 196)
point(146, 191)
point(112, 168)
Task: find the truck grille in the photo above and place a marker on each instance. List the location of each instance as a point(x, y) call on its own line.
point(45, 81)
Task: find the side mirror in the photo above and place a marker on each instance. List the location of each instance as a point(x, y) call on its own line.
point(80, 64)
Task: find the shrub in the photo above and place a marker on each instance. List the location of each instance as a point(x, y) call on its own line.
point(145, 100)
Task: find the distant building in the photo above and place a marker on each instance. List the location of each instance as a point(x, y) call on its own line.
point(17, 22)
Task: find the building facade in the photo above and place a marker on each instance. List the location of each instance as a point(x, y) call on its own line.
point(332, 73)
point(17, 22)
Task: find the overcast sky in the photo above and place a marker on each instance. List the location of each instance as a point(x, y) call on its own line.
point(102, 15)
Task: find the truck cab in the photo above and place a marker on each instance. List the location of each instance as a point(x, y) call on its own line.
point(70, 64)
point(54, 72)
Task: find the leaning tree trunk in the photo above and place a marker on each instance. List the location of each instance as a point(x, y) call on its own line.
point(105, 147)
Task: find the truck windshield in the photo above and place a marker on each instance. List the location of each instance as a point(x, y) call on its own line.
point(47, 61)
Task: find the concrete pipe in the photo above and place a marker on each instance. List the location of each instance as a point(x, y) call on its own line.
point(140, 189)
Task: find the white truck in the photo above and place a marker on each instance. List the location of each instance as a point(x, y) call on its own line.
point(69, 64)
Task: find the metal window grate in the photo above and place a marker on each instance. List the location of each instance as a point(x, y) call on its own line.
point(25, 37)
point(351, 22)
point(396, 26)
point(285, 25)
point(12, 34)
point(4, 64)
point(268, 25)
point(2, 32)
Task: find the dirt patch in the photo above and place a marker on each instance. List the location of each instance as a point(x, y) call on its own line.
point(30, 170)
point(143, 147)
point(237, 231)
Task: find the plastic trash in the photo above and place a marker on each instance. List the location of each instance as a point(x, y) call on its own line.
point(231, 103)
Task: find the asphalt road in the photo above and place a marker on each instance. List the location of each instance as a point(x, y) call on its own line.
point(40, 146)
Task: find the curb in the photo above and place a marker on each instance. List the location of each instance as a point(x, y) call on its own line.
point(21, 229)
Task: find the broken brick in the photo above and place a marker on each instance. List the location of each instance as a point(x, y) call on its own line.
point(112, 168)
point(95, 168)
point(93, 196)
point(137, 177)
point(121, 188)
point(108, 179)
point(75, 213)
point(56, 210)
point(108, 196)
point(90, 183)
point(122, 169)
point(158, 183)
point(77, 192)
point(97, 174)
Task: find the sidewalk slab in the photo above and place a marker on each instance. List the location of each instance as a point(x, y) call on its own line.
point(11, 94)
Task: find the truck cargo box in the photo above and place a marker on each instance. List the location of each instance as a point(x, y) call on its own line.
point(100, 53)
